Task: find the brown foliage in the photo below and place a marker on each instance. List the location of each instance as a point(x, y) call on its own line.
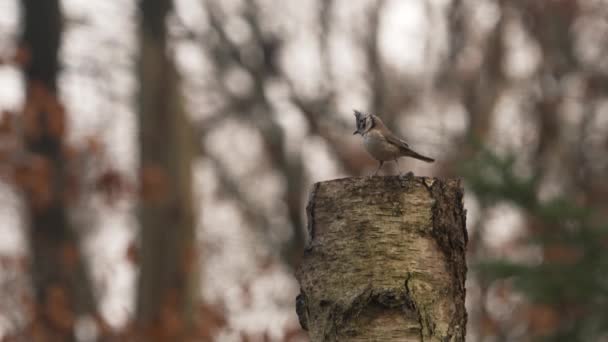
point(154, 183)
point(22, 56)
point(132, 253)
point(57, 309)
point(112, 184)
point(69, 257)
point(211, 320)
point(7, 122)
point(44, 115)
point(542, 319)
point(35, 178)
point(562, 254)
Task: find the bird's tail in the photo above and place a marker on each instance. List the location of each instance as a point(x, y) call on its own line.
point(417, 155)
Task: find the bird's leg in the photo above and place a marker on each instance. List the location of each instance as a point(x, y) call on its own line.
point(379, 167)
point(398, 168)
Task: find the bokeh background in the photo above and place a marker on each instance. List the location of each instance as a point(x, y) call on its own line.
point(174, 143)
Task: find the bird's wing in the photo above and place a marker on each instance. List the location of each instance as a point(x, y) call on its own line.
point(396, 141)
point(406, 150)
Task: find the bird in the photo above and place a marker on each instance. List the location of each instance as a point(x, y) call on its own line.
point(382, 144)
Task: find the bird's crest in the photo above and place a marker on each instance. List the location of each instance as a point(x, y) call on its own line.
point(364, 122)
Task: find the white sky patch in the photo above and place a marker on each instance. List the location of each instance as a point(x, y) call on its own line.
point(238, 81)
point(355, 98)
point(295, 127)
point(231, 6)
point(82, 97)
point(241, 155)
point(433, 125)
point(571, 112)
point(9, 18)
point(599, 126)
point(319, 163)
point(301, 60)
point(256, 318)
point(11, 88)
point(551, 187)
point(505, 223)
point(238, 30)
point(591, 32)
point(523, 55)
point(347, 57)
point(192, 13)
point(419, 129)
point(485, 15)
point(121, 127)
point(263, 189)
point(110, 265)
point(11, 81)
point(13, 240)
point(347, 69)
point(471, 204)
point(230, 256)
point(513, 128)
point(403, 34)
point(350, 14)
point(500, 303)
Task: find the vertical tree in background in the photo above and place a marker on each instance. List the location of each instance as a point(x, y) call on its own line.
point(62, 289)
point(167, 274)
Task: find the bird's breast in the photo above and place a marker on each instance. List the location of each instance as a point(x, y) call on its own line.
point(379, 147)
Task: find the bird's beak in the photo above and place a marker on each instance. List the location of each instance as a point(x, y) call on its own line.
point(355, 132)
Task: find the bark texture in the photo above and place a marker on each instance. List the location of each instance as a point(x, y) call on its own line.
point(385, 261)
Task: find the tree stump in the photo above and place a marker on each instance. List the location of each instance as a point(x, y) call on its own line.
point(385, 261)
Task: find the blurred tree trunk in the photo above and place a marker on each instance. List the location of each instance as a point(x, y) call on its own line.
point(386, 261)
point(165, 297)
point(61, 285)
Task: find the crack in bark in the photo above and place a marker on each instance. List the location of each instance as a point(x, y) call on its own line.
point(310, 214)
point(302, 310)
point(413, 305)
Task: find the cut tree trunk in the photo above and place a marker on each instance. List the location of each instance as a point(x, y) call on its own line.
point(385, 261)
